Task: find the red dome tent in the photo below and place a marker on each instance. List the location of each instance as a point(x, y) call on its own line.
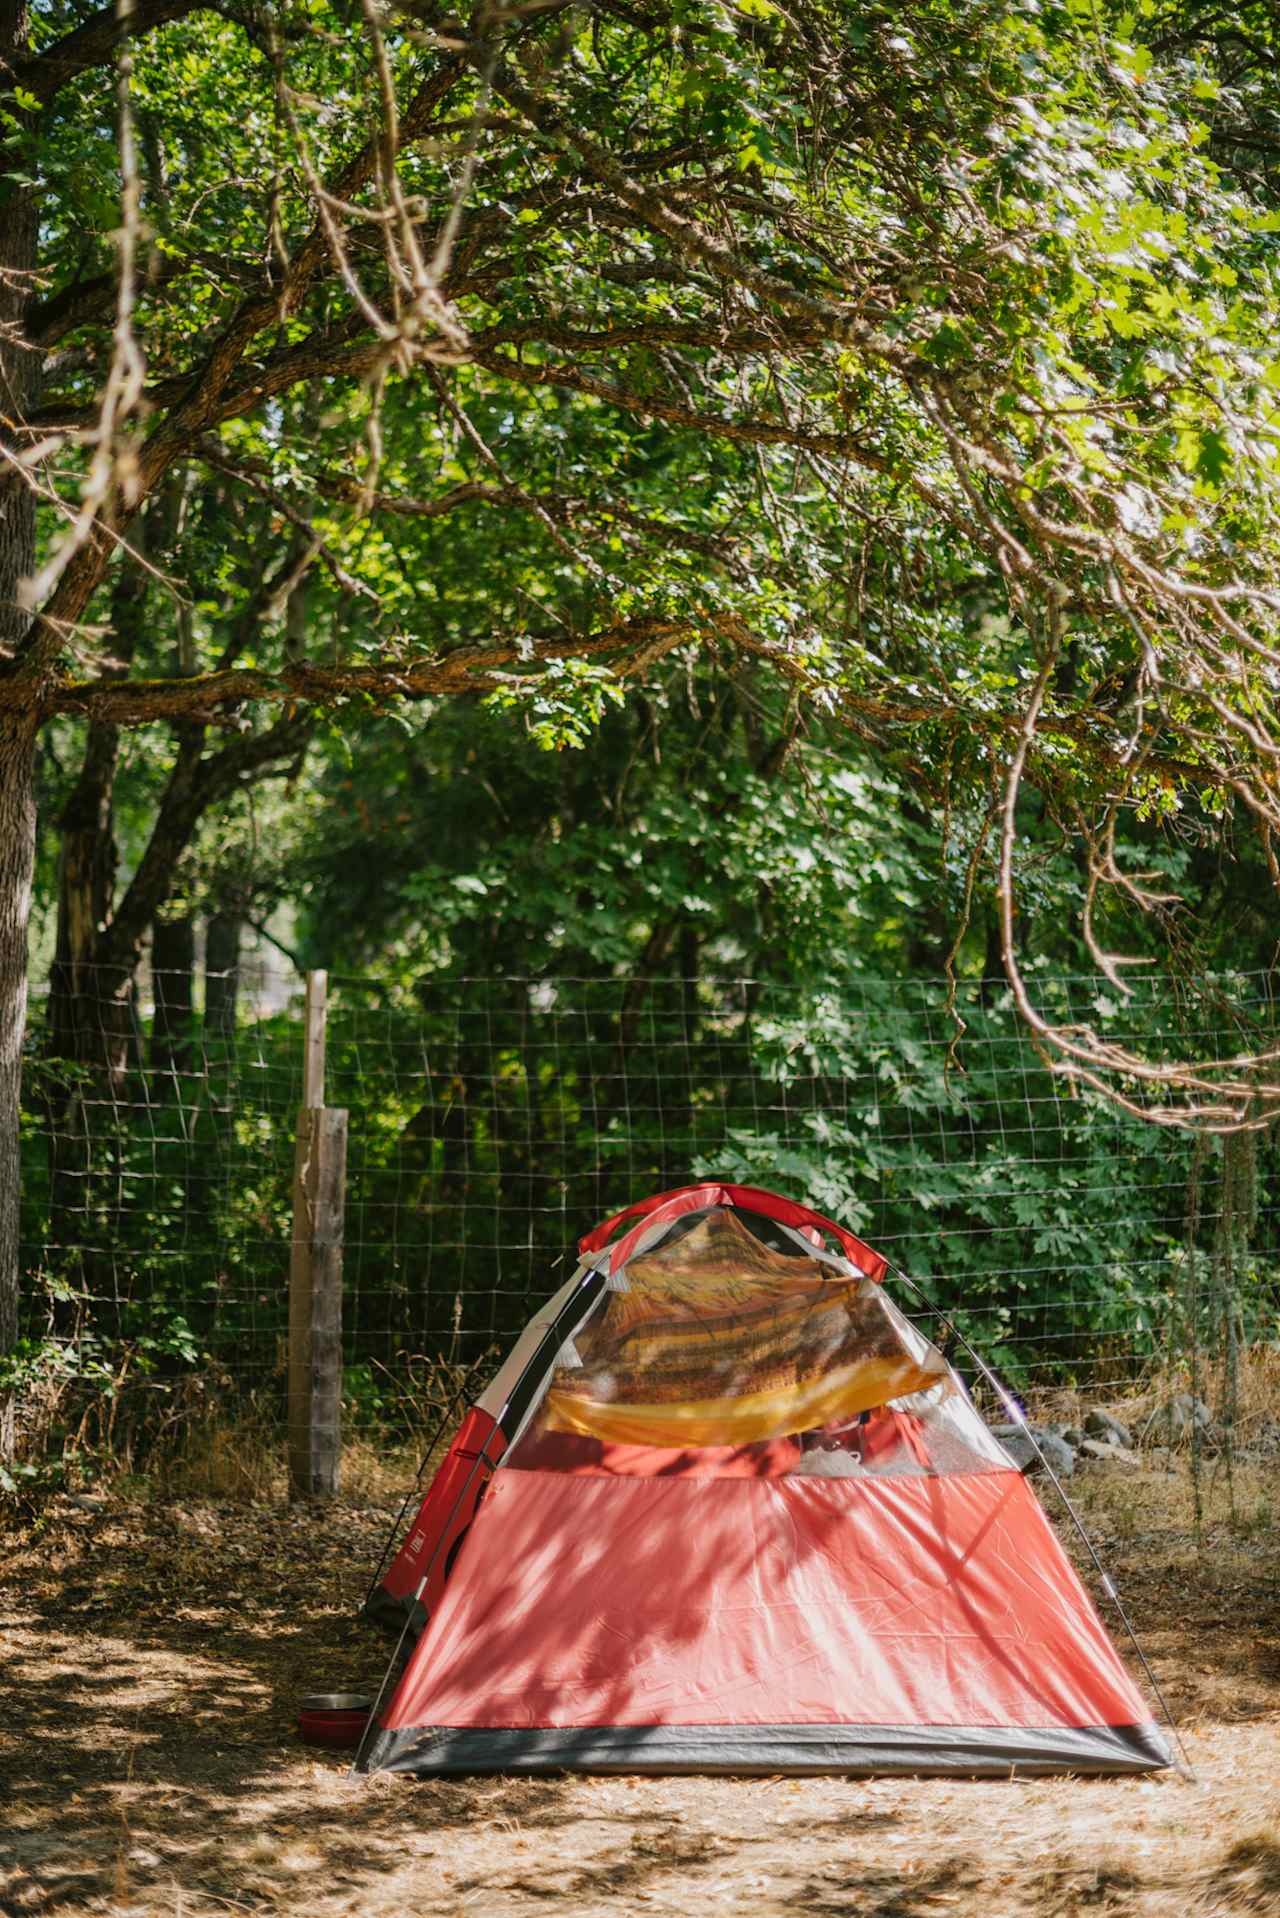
point(724, 1508)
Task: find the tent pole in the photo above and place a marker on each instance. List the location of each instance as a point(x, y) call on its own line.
point(1011, 1405)
point(459, 1398)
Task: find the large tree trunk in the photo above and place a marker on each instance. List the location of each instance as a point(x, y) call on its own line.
point(18, 390)
point(89, 1010)
point(222, 975)
point(89, 1028)
point(88, 1021)
point(173, 964)
point(17, 863)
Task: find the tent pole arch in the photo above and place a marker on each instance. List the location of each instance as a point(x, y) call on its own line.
point(505, 1380)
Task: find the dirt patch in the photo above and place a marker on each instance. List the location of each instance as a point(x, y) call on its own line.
point(155, 1654)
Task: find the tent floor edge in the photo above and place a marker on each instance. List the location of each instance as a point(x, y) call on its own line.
point(981, 1751)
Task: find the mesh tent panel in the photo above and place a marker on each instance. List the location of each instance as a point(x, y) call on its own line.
point(727, 1351)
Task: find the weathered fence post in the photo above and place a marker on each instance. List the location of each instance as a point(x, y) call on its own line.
point(315, 1271)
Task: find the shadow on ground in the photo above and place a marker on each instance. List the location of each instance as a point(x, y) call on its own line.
point(155, 1656)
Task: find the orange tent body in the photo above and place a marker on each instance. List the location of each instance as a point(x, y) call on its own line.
point(726, 1509)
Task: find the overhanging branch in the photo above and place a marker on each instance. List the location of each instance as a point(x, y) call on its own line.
point(209, 697)
point(95, 40)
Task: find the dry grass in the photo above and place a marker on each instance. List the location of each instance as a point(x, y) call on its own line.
point(1258, 1388)
point(1256, 1397)
point(203, 1438)
point(241, 1461)
point(1151, 1506)
point(215, 1448)
point(156, 1650)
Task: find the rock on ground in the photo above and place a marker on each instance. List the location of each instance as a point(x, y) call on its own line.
point(1100, 1425)
point(1021, 1443)
point(1174, 1422)
point(1116, 1458)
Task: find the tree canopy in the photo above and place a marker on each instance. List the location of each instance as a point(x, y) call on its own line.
point(912, 368)
point(924, 353)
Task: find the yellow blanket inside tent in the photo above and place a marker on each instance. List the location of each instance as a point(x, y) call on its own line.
point(721, 1340)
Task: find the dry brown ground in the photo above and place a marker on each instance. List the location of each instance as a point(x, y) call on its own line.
point(155, 1653)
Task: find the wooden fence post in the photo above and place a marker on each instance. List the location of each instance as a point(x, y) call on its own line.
point(315, 1271)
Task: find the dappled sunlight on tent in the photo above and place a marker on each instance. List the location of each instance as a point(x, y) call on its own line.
point(725, 1508)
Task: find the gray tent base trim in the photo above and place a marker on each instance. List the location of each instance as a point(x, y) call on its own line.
point(981, 1751)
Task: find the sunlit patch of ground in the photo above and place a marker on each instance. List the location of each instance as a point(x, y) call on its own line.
point(154, 1655)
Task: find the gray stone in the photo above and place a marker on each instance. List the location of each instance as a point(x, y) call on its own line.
point(1073, 1436)
point(1059, 1454)
point(1100, 1425)
point(1264, 1442)
point(1017, 1441)
point(1116, 1458)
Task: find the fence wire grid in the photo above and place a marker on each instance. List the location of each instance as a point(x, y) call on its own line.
point(493, 1121)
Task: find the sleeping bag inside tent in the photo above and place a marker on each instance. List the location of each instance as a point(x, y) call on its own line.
point(725, 1508)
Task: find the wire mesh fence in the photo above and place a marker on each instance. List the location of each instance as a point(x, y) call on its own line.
point(493, 1121)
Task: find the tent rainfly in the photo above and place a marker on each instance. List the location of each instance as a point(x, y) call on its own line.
point(724, 1508)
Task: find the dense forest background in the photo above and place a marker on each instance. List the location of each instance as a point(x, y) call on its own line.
point(691, 943)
